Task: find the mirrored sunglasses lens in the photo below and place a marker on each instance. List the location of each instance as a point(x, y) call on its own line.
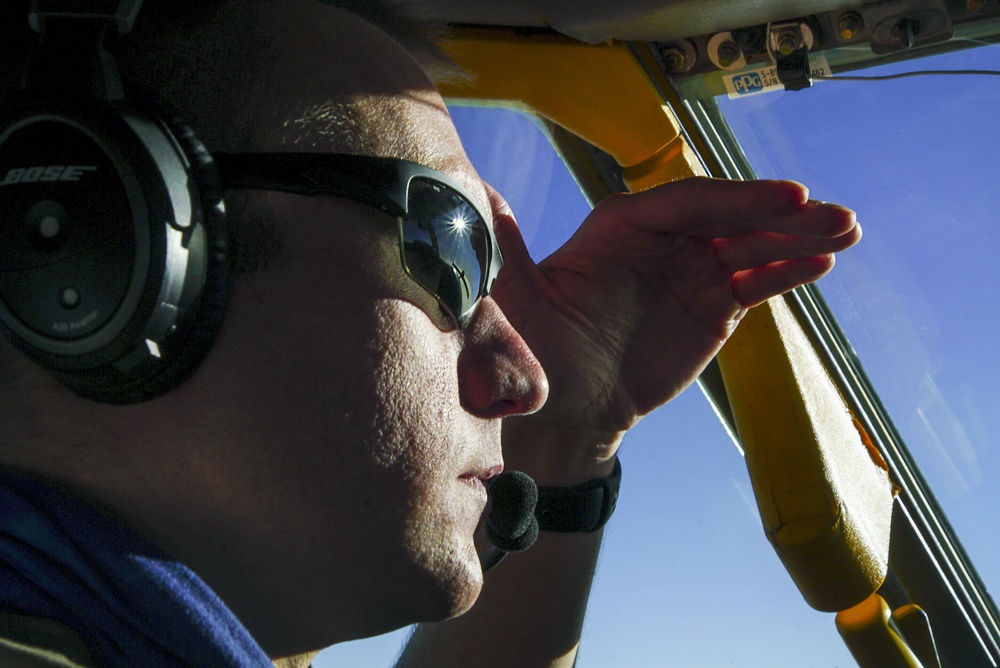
point(445, 245)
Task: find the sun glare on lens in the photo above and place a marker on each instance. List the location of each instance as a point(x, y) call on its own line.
point(459, 224)
point(460, 218)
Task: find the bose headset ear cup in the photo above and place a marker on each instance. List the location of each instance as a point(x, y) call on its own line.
point(198, 327)
point(206, 314)
point(139, 238)
point(112, 227)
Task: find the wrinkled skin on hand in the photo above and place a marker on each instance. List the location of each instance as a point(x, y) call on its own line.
point(632, 308)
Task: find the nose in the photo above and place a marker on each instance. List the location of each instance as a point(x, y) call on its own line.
point(498, 373)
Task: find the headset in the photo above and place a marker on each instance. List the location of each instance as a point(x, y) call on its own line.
point(113, 259)
point(112, 221)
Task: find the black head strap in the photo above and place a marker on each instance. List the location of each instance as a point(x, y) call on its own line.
point(585, 507)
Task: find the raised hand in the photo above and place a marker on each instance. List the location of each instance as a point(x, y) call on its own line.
point(629, 311)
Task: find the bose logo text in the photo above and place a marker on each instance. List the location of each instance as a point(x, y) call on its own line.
point(748, 83)
point(46, 174)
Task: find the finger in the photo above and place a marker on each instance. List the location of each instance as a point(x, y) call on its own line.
point(517, 262)
point(512, 246)
point(763, 248)
point(497, 201)
point(715, 207)
point(754, 286)
point(817, 219)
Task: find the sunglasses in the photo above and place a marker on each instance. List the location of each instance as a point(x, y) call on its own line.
point(446, 244)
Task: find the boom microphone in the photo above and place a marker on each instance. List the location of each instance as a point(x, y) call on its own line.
point(511, 525)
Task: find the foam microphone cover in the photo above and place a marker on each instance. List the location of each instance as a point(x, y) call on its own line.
point(511, 524)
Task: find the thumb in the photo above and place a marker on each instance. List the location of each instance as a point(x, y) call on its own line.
point(517, 262)
point(516, 259)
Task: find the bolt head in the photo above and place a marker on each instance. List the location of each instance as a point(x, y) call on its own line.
point(849, 25)
point(729, 53)
point(788, 43)
point(674, 58)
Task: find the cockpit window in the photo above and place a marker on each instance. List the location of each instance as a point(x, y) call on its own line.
point(918, 159)
point(686, 560)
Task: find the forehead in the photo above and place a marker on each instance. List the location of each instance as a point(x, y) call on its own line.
point(343, 85)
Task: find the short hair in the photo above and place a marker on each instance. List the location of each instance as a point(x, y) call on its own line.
point(253, 242)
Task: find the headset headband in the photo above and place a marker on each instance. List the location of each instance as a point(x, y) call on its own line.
point(121, 12)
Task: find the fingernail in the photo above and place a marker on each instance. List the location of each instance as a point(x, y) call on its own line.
point(832, 205)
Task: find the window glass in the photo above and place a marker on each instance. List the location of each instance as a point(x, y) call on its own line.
point(686, 577)
point(918, 159)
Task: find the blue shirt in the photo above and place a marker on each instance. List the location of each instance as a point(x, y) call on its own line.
point(129, 602)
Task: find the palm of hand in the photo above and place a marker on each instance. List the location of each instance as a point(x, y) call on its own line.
point(632, 308)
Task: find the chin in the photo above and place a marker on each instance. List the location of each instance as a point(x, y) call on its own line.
point(451, 574)
point(465, 596)
point(460, 589)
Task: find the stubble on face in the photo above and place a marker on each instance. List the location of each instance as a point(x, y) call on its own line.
point(422, 436)
point(429, 443)
point(373, 445)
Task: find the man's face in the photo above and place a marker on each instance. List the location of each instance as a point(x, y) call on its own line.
point(353, 423)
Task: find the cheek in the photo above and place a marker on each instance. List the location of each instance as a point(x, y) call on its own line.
point(429, 443)
point(416, 382)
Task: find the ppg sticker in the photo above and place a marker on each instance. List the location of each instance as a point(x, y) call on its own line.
point(745, 84)
point(763, 79)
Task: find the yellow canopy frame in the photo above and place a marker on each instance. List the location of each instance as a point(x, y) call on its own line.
point(825, 502)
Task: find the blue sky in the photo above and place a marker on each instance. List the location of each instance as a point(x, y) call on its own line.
point(919, 161)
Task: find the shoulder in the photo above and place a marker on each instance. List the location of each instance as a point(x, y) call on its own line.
point(33, 642)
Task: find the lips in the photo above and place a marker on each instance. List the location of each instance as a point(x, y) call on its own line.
point(484, 474)
point(480, 477)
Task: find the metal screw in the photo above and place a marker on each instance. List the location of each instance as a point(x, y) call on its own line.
point(788, 41)
point(674, 59)
point(850, 24)
point(728, 53)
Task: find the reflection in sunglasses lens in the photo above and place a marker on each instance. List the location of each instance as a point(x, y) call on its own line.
point(445, 245)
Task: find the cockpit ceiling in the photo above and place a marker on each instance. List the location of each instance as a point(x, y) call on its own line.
point(595, 21)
